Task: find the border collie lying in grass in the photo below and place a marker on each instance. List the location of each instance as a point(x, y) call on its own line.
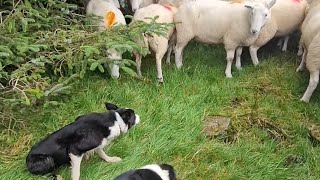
point(149, 172)
point(91, 132)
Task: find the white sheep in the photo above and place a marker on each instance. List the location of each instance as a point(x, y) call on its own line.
point(310, 40)
point(287, 16)
point(309, 32)
point(158, 44)
point(110, 15)
point(313, 65)
point(137, 4)
point(176, 3)
point(233, 24)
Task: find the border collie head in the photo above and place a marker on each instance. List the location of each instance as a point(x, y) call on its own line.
point(127, 115)
point(151, 171)
point(165, 171)
point(170, 169)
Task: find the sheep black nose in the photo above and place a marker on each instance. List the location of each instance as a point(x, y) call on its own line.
point(254, 31)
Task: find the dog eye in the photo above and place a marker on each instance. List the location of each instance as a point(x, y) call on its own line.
point(266, 15)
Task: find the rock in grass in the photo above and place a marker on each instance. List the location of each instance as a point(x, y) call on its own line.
point(216, 126)
point(294, 160)
point(314, 133)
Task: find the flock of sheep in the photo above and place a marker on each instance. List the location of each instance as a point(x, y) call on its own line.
point(234, 23)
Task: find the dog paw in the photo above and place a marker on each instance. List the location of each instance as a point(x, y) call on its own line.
point(114, 159)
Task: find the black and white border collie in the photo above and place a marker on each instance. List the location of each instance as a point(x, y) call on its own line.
point(91, 132)
point(149, 172)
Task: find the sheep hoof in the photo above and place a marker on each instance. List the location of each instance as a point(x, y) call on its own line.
point(57, 177)
point(115, 76)
point(229, 76)
point(160, 80)
point(304, 100)
point(168, 60)
point(179, 66)
point(298, 70)
point(239, 68)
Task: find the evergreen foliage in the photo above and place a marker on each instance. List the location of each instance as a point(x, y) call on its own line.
point(46, 45)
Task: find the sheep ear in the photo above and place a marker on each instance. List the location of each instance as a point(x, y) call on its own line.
point(248, 6)
point(271, 3)
point(116, 3)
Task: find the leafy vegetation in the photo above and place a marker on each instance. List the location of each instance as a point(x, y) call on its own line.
point(45, 45)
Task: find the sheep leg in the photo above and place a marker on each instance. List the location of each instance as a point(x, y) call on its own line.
point(178, 53)
point(159, 56)
point(115, 70)
point(253, 53)
point(285, 43)
point(230, 56)
point(313, 82)
point(138, 64)
point(300, 51)
point(238, 58)
point(169, 53)
point(182, 38)
point(172, 42)
point(280, 42)
point(303, 61)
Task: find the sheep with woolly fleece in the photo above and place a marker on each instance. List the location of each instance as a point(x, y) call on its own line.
point(309, 31)
point(176, 3)
point(313, 65)
point(137, 4)
point(158, 44)
point(215, 22)
point(310, 40)
point(110, 15)
point(286, 17)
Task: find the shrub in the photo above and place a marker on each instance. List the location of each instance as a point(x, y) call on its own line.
point(45, 45)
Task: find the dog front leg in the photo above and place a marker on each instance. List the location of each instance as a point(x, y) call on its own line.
point(75, 166)
point(107, 158)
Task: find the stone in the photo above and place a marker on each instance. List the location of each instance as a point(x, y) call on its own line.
point(314, 133)
point(216, 126)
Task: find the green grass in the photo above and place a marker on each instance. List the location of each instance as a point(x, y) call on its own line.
point(172, 118)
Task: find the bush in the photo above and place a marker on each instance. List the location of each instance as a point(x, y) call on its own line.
point(45, 45)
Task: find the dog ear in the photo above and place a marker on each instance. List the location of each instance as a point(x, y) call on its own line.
point(110, 106)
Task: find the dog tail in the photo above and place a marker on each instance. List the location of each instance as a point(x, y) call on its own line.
point(40, 164)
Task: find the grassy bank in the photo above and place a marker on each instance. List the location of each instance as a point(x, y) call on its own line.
point(172, 120)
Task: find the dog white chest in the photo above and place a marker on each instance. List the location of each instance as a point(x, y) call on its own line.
point(115, 131)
